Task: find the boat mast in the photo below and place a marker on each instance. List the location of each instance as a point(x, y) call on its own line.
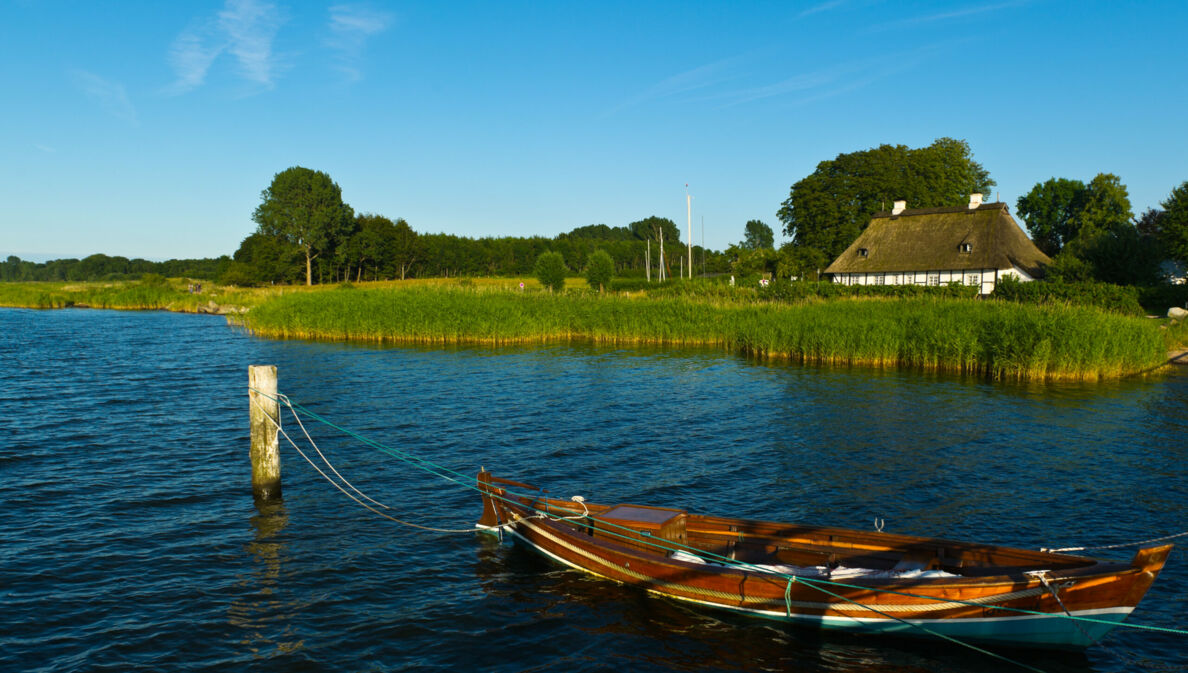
point(689, 215)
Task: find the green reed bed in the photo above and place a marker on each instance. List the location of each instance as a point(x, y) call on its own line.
point(997, 339)
point(90, 295)
point(154, 294)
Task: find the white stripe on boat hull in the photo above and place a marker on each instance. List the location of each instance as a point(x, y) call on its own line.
point(1055, 630)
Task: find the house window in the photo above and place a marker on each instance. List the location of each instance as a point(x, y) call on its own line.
point(966, 247)
point(893, 279)
point(880, 279)
point(973, 279)
point(934, 278)
point(862, 252)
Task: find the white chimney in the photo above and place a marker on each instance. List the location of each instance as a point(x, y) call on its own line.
point(898, 207)
point(975, 200)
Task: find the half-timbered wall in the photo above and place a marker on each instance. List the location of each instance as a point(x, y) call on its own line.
point(985, 278)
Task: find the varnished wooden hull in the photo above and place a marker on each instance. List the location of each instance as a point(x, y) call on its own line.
point(995, 594)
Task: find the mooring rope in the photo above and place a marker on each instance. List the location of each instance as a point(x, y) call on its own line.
point(1042, 575)
point(339, 487)
point(472, 483)
point(1115, 546)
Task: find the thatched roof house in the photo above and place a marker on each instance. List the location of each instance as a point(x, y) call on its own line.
point(975, 245)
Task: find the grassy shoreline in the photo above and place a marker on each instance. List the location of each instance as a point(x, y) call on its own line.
point(997, 339)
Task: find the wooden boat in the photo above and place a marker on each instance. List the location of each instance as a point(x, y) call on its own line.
point(834, 578)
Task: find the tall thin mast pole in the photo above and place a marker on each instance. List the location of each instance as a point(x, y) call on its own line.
point(689, 214)
point(703, 245)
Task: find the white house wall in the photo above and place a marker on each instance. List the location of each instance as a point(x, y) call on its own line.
point(984, 278)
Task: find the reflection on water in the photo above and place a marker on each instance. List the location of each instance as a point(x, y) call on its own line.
point(262, 610)
point(677, 636)
point(130, 538)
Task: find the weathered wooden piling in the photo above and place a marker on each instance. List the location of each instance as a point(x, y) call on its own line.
point(265, 413)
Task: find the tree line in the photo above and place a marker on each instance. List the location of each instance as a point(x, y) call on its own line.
point(307, 234)
point(104, 267)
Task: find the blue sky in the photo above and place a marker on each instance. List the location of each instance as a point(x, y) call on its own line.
point(148, 129)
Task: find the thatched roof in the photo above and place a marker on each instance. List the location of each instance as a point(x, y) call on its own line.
point(931, 239)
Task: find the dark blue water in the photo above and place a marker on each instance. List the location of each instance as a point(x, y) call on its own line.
point(129, 539)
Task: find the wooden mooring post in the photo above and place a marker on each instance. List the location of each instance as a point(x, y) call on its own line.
point(265, 413)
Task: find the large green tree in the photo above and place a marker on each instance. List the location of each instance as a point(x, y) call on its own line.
point(655, 228)
point(1090, 231)
point(305, 207)
point(1173, 226)
point(1106, 206)
point(1059, 210)
point(829, 208)
point(757, 235)
point(1050, 210)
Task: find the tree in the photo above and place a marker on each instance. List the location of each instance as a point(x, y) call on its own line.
point(1121, 256)
point(304, 207)
point(1059, 210)
point(753, 261)
point(799, 262)
point(1173, 230)
point(1105, 207)
point(406, 247)
point(655, 228)
point(1049, 210)
point(1150, 223)
point(601, 232)
point(1089, 232)
point(600, 268)
point(758, 235)
point(264, 259)
point(550, 271)
point(829, 208)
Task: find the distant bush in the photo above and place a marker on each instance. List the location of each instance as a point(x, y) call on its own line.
point(1115, 298)
point(550, 271)
point(801, 290)
point(600, 268)
point(1158, 298)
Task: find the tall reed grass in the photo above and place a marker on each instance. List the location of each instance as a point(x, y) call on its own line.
point(996, 339)
point(123, 295)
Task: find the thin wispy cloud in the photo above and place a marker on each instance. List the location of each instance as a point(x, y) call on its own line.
point(245, 29)
point(701, 77)
point(823, 7)
point(111, 96)
point(250, 26)
point(829, 81)
point(946, 16)
point(191, 56)
point(351, 26)
point(796, 83)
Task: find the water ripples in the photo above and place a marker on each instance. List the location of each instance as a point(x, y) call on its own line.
point(128, 537)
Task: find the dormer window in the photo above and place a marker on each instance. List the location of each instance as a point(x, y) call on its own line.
point(965, 248)
point(862, 252)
